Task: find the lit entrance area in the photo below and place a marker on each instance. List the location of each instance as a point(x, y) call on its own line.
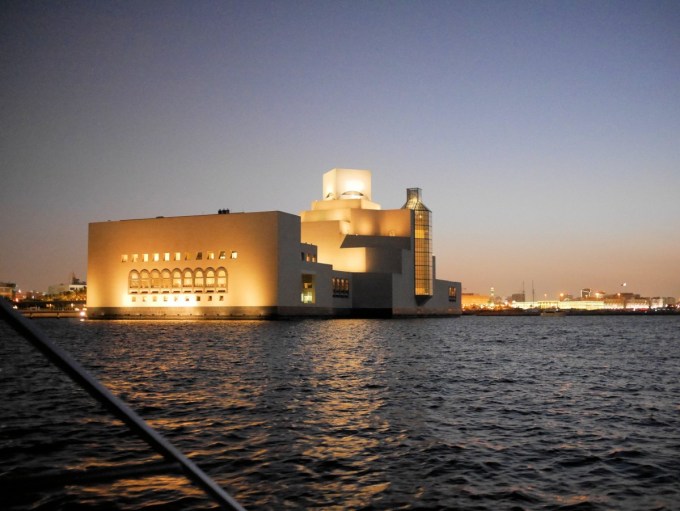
point(308, 292)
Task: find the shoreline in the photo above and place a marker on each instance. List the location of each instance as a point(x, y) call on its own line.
point(617, 312)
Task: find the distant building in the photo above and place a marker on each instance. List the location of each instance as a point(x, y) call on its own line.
point(74, 285)
point(57, 289)
point(476, 301)
point(637, 304)
point(8, 290)
point(28, 295)
point(344, 257)
point(658, 302)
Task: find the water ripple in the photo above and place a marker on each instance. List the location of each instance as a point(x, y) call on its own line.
point(575, 413)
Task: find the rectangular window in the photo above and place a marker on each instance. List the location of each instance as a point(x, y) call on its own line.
point(223, 254)
point(340, 287)
point(134, 299)
point(135, 258)
point(308, 294)
point(453, 294)
point(187, 256)
point(166, 256)
point(145, 258)
point(124, 258)
point(302, 254)
point(234, 254)
point(156, 257)
point(178, 256)
point(199, 256)
point(211, 255)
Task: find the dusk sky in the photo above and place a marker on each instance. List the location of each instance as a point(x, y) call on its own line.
point(545, 135)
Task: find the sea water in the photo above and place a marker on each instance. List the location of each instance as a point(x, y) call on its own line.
point(467, 413)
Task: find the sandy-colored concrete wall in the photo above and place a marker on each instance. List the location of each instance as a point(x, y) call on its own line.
point(249, 243)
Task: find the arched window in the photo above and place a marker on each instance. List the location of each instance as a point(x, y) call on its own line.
point(155, 279)
point(176, 279)
point(187, 279)
point(144, 280)
point(199, 280)
point(210, 279)
point(221, 279)
point(166, 279)
point(133, 281)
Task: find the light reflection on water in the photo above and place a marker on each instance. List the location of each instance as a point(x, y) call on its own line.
point(472, 413)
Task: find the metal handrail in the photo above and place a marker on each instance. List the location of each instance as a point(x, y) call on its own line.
point(60, 358)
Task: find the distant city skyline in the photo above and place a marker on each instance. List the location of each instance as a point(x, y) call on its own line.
point(531, 294)
point(544, 135)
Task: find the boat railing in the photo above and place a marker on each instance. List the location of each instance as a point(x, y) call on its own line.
point(174, 459)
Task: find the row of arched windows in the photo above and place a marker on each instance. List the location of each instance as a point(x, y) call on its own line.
point(187, 280)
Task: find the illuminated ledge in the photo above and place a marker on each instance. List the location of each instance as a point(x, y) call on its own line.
point(353, 203)
point(361, 241)
point(213, 312)
point(235, 313)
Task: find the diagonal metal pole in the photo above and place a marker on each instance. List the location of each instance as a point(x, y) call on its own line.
point(84, 379)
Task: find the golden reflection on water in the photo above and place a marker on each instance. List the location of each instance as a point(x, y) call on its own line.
point(152, 490)
point(343, 411)
point(568, 501)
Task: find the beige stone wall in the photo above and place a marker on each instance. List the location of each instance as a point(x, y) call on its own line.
point(330, 230)
point(346, 182)
point(253, 275)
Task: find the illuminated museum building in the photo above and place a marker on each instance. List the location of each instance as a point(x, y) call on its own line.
point(344, 257)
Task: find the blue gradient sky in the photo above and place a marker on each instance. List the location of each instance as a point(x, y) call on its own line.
point(545, 135)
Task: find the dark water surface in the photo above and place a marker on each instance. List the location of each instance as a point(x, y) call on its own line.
point(471, 413)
